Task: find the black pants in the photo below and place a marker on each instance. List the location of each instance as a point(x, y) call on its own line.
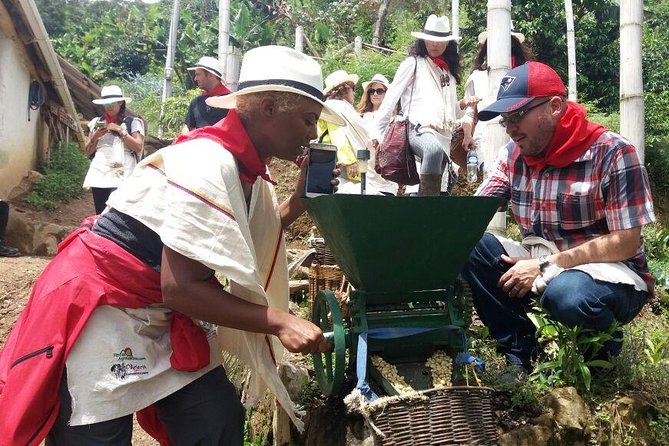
point(100, 197)
point(4, 218)
point(205, 412)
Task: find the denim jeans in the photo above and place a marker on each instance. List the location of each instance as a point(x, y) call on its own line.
point(573, 298)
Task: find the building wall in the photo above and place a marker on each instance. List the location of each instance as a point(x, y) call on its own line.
point(19, 136)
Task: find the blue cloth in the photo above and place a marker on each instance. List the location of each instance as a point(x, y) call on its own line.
point(573, 298)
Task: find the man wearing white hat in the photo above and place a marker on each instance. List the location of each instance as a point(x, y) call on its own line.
point(208, 77)
point(128, 316)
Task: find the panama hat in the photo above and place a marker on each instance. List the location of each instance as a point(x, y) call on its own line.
point(436, 29)
point(210, 64)
point(377, 78)
point(279, 68)
point(521, 85)
point(520, 36)
point(337, 78)
point(111, 93)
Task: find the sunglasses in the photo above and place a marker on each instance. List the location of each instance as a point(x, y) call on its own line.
point(110, 104)
point(516, 117)
point(378, 91)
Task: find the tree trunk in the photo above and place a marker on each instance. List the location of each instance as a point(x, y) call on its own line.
point(377, 37)
point(631, 76)
point(571, 49)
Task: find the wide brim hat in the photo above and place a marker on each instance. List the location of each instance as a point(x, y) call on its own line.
point(376, 79)
point(210, 64)
point(521, 85)
point(279, 68)
point(337, 78)
point(111, 94)
point(436, 29)
point(484, 36)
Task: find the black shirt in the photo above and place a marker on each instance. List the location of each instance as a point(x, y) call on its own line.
point(201, 115)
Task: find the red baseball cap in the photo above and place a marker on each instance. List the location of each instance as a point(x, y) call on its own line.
point(522, 84)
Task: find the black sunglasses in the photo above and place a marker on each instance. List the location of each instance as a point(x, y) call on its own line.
point(378, 91)
point(516, 117)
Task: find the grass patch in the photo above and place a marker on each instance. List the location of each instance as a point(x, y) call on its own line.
point(64, 175)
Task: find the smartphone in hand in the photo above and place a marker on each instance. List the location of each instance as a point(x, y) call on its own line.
point(322, 161)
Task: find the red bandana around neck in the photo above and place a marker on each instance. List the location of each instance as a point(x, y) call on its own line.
point(440, 62)
point(231, 134)
point(573, 136)
point(218, 90)
point(110, 118)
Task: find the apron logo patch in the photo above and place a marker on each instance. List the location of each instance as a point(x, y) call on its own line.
point(128, 364)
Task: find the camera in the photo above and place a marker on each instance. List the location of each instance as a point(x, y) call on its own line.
point(101, 124)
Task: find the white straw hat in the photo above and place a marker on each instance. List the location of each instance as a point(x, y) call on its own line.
point(337, 78)
point(210, 64)
point(379, 79)
point(111, 93)
point(279, 68)
point(520, 36)
point(436, 29)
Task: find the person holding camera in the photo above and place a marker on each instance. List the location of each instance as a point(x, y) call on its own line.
point(115, 143)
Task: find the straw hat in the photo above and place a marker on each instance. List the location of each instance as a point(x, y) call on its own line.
point(520, 36)
point(436, 29)
point(210, 64)
point(379, 79)
point(279, 68)
point(337, 78)
point(111, 93)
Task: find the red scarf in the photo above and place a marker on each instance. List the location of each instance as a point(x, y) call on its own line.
point(440, 62)
point(573, 136)
point(218, 90)
point(110, 118)
point(231, 134)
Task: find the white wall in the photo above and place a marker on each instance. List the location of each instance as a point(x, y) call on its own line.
point(18, 136)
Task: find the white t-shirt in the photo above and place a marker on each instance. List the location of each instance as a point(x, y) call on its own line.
point(113, 161)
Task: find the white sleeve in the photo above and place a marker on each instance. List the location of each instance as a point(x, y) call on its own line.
point(137, 126)
point(403, 77)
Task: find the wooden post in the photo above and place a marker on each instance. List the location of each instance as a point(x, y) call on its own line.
point(169, 62)
point(357, 46)
point(631, 76)
point(571, 49)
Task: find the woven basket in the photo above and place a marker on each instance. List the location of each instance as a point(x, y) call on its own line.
point(449, 416)
point(322, 254)
point(324, 277)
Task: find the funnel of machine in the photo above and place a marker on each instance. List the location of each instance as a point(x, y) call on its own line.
point(401, 244)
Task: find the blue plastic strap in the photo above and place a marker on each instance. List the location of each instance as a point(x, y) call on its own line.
point(361, 369)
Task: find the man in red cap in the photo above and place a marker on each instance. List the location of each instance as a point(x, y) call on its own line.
point(580, 195)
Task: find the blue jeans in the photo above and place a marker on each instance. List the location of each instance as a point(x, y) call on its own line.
point(573, 298)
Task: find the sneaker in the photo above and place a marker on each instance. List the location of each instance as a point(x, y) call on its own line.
point(8, 251)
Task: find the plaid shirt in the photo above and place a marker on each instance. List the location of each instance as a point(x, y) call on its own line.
point(605, 189)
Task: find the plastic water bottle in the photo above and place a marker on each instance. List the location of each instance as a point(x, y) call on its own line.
point(472, 166)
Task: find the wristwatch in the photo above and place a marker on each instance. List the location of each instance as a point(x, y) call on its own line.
point(543, 264)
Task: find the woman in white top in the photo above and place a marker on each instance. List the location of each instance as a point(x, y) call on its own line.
point(339, 88)
point(477, 85)
point(425, 83)
point(115, 142)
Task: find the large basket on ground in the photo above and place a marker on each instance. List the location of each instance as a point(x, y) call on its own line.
point(325, 277)
point(445, 416)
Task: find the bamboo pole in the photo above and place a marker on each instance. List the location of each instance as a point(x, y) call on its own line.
point(169, 62)
point(455, 14)
point(571, 49)
point(631, 75)
point(224, 36)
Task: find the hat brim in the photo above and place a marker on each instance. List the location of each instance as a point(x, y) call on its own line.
point(505, 105)
point(230, 100)
point(484, 36)
point(103, 101)
point(431, 38)
point(207, 69)
point(365, 85)
point(350, 78)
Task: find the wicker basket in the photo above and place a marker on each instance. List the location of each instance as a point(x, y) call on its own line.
point(325, 277)
point(322, 254)
point(448, 416)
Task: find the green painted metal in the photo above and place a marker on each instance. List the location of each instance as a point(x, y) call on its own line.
point(396, 244)
point(329, 367)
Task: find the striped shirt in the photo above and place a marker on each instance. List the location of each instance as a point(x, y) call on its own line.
point(605, 189)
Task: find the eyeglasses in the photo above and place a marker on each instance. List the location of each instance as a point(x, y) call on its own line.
point(378, 91)
point(516, 117)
